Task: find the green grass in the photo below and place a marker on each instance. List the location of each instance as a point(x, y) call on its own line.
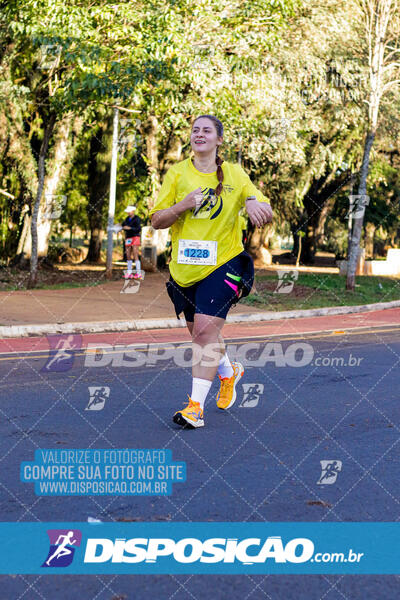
point(55, 286)
point(317, 290)
point(69, 284)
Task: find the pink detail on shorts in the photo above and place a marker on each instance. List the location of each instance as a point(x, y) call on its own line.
point(134, 241)
point(233, 286)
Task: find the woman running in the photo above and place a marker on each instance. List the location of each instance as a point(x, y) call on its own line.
point(200, 200)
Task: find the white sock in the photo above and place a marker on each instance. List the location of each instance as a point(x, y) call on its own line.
point(137, 265)
point(225, 368)
point(129, 265)
point(200, 389)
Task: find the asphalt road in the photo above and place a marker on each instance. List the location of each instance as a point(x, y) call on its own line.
point(308, 398)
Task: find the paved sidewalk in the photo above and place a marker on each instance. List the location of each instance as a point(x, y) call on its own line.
point(87, 304)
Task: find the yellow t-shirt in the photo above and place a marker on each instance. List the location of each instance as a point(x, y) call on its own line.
point(217, 220)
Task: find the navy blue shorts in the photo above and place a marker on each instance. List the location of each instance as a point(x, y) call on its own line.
point(215, 294)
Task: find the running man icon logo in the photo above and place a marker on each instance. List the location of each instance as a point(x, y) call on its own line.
point(286, 281)
point(357, 204)
point(63, 543)
point(61, 355)
point(131, 286)
point(54, 204)
point(329, 471)
point(278, 129)
point(252, 393)
point(98, 397)
point(49, 56)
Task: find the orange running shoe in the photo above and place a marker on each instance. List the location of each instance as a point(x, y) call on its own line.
point(190, 416)
point(227, 392)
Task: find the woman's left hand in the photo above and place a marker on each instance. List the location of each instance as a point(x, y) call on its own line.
point(259, 213)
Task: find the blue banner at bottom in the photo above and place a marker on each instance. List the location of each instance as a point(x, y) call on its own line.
point(200, 548)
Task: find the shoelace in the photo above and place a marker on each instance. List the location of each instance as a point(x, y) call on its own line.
point(198, 413)
point(190, 403)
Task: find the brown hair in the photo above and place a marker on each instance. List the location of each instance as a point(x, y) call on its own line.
point(220, 132)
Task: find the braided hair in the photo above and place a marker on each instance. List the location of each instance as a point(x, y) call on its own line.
point(220, 132)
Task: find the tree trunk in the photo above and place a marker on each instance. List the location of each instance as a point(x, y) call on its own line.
point(96, 240)
point(254, 240)
point(359, 218)
point(296, 238)
point(150, 131)
point(41, 174)
point(308, 246)
point(369, 240)
point(98, 183)
point(172, 154)
point(377, 16)
point(324, 214)
point(318, 201)
point(19, 258)
point(257, 241)
point(59, 164)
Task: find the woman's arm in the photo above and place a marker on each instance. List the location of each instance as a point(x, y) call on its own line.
point(162, 219)
point(259, 213)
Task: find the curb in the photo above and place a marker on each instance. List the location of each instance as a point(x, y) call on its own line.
point(311, 312)
point(141, 324)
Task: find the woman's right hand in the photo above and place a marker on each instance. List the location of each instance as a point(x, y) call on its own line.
point(166, 217)
point(194, 199)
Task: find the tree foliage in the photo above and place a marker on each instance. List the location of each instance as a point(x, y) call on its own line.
point(288, 79)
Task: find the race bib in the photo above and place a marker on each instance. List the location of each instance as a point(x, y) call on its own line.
point(197, 252)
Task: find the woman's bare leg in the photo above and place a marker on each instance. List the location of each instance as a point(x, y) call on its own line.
point(208, 345)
